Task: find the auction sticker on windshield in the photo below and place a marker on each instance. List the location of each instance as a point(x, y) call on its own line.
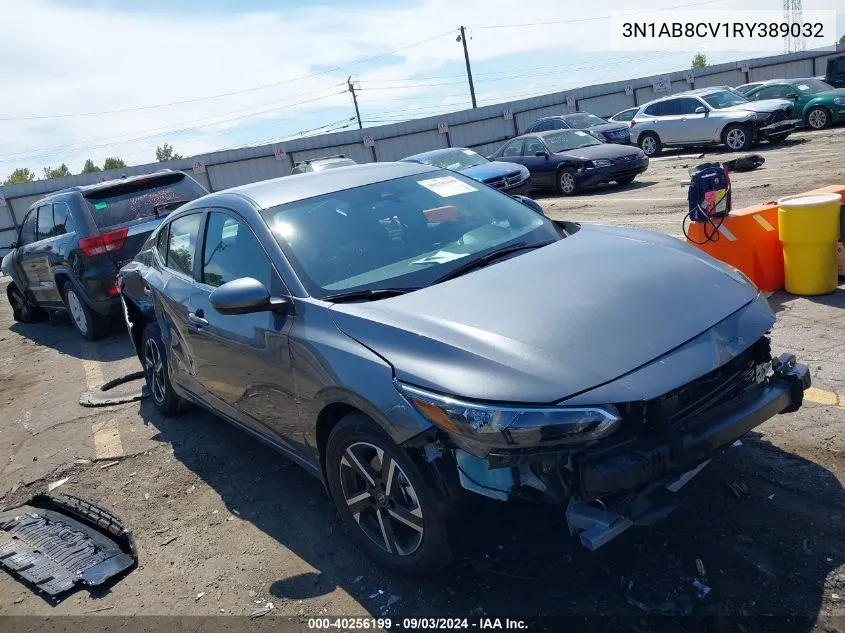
point(579, 133)
point(447, 186)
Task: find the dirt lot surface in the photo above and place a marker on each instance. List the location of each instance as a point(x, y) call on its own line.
point(224, 525)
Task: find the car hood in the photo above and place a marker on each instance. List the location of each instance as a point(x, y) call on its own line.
point(493, 169)
point(829, 94)
point(554, 322)
point(764, 105)
point(605, 150)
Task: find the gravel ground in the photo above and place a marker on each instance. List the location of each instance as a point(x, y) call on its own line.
point(224, 525)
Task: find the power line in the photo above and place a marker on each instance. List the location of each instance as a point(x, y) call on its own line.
point(593, 19)
point(228, 94)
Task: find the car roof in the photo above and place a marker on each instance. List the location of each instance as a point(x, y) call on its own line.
point(271, 193)
point(435, 153)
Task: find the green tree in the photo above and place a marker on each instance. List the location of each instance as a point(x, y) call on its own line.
point(113, 163)
point(21, 174)
point(699, 61)
point(842, 40)
point(165, 152)
point(59, 172)
point(89, 167)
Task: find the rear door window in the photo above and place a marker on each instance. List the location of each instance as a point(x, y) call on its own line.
point(45, 221)
point(28, 228)
point(141, 199)
point(231, 252)
point(182, 243)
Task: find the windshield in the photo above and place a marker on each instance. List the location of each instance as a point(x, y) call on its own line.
point(583, 120)
point(402, 233)
point(812, 86)
point(568, 140)
point(724, 99)
point(456, 161)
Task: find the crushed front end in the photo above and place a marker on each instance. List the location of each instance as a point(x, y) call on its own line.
point(622, 466)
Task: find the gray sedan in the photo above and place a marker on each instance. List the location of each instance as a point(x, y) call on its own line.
point(419, 341)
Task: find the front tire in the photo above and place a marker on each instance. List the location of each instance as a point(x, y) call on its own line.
point(567, 184)
point(737, 138)
point(22, 310)
point(649, 142)
point(388, 505)
point(157, 373)
point(818, 118)
point(91, 325)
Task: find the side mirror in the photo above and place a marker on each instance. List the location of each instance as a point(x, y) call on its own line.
point(246, 295)
point(531, 204)
point(792, 95)
point(541, 154)
point(701, 110)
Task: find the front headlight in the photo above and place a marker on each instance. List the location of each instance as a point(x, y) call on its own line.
point(504, 425)
point(524, 173)
point(602, 162)
point(840, 101)
point(761, 116)
point(600, 136)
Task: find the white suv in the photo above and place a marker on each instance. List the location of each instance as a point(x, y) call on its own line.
point(710, 116)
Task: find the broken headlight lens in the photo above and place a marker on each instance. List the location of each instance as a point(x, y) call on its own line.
point(490, 423)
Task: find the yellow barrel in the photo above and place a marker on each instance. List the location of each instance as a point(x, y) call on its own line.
point(808, 225)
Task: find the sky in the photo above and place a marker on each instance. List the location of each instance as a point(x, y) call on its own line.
point(97, 78)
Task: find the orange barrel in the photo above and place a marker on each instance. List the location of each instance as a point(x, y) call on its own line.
point(808, 225)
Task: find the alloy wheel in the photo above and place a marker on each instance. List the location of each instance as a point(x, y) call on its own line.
point(77, 312)
point(735, 138)
point(817, 119)
point(154, 366)
point(567, 182)
point(649, 145)
point(381, 498)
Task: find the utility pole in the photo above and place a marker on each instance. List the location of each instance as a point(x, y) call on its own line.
point(355, 100)
point(463, 39)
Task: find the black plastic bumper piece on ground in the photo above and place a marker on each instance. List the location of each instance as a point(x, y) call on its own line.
point(58, 542)
point(653, 459)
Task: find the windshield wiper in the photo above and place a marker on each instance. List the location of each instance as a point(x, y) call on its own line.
point(487, 259)
point(372, 294)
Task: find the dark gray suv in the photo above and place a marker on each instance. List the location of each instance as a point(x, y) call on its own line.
point(72, 243)
point(420, 341)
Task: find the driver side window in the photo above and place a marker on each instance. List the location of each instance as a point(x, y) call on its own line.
point(773, 92)
point(532, 146)
point(231, 252)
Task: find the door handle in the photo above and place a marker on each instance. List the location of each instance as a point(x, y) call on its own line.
point(196, 318)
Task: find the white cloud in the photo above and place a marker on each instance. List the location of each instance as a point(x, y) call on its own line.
point(71, 59)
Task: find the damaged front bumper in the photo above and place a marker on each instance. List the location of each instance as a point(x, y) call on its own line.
point(777, 128)
point(612, 484)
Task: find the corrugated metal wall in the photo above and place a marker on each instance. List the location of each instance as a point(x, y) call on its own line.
point(484, 128)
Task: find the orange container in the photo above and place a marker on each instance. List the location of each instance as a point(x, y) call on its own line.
point(748, 240)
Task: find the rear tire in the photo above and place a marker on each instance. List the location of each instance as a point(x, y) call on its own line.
point(567, 184)
point(157, 372)
point(818, 118)
point(737, 138)
point(91, 325)
point(649, 142)
point(22, 310)
point(393, 516)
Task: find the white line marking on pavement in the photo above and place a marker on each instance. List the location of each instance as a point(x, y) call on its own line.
point(107, 439)
point(107, 442)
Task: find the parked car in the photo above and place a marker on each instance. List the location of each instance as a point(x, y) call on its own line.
point(500, 175)
point(710, 116)
point(572, 160)
point(816, 103)
point(320, 164)
point(72, 243)
point(835, 75)
point(624, 116)
point(416, 365)
point(744, 89)
point(601, 129)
